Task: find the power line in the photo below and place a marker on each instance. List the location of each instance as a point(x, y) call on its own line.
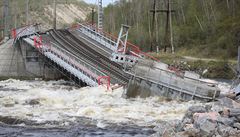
point(168, 38)
point(153, 27)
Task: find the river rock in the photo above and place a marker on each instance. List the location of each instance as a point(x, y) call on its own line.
point(225, 121)
point(186, 134)
point(194, 109)
point(33, 102)
point(229, 103)
point(237, 99)
point(226, 131)
point(223, 130)
point(166, 129)
point(237, 125)
point(206, 126)
point(210, 115)
point(234, 112)
point(190, 130)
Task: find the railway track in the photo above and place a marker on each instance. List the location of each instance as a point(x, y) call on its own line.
point(83, 51)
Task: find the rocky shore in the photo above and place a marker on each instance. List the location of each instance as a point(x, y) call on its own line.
point(220, 119)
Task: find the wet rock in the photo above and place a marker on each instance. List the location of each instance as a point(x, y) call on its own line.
point(210, 115)
point(165, 129)
point(10, 120)
point(236, 125)
point(186, 134)
point(237, 99)
point(223, 130)
point(229, 103)
point(8, 102)
point(234, 112)
point(225, 121)
point(226, 131)
point(187, 121)
point(33, 102)
point(194, 109)
point(190, 130)
point(206, 126)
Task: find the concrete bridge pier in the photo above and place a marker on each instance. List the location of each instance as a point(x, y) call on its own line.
point(22, 61)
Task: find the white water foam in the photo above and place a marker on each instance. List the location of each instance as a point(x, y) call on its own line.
point(60, 102)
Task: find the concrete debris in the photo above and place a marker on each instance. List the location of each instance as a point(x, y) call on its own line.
point(222, 119)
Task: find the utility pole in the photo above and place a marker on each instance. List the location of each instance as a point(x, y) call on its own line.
point(238, 45)
point(153, 29)
point(54, 14)
point(15, 14)
point(5, 16)
point(168, 38)
point(93, 14)
point(27, 12)
point(100, 15)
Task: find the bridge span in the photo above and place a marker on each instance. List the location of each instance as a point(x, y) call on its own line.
point(92, 57)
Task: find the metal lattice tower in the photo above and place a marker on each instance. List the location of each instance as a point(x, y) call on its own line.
point(122, 38)
point(100, 15)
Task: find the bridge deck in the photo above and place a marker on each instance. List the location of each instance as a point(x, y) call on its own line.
point(91, 55)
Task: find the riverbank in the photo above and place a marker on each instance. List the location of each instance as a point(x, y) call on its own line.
point(220, 119)
point(206, 67)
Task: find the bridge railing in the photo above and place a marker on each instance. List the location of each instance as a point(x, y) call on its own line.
point(85, 68)
point(76, 62)
point(25, 30)
point(98, 36)
point(110, 41)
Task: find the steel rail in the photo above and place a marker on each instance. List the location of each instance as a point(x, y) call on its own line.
point(83, 52)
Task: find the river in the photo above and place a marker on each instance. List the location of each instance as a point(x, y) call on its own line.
point(57, 108)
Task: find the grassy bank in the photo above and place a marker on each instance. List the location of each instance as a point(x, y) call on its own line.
point(207, 67)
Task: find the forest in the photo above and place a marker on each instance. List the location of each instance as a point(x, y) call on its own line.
point(203, 28)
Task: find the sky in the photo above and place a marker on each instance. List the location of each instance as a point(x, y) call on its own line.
point(105, 2)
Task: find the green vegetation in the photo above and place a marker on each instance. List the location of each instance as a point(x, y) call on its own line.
point(207, 68)
point(201, 28)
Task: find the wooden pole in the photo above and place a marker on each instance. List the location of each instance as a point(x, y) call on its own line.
point(15, 14)
point(5, 16)
point(27, 12)
point(54, 14)
point(153, 36)
point(93, 13)
point(170, 26)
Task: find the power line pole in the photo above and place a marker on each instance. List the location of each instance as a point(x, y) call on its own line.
point(168, 38)
point(27, 12)
point(93, 14)
point(15, 14)
point(54, 14)
point(5, 16)
point(153, 29)
point(100, 15)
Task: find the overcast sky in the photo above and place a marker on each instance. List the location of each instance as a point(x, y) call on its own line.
point(105, 2)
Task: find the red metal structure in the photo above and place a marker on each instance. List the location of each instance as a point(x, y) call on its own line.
point(104, 80)
point(38, 42)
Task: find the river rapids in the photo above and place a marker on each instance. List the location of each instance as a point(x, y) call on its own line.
point(57, 108)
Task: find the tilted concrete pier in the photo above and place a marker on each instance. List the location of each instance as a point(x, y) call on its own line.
point(21, 61)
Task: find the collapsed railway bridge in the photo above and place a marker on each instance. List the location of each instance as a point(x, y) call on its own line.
point(89, 56)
